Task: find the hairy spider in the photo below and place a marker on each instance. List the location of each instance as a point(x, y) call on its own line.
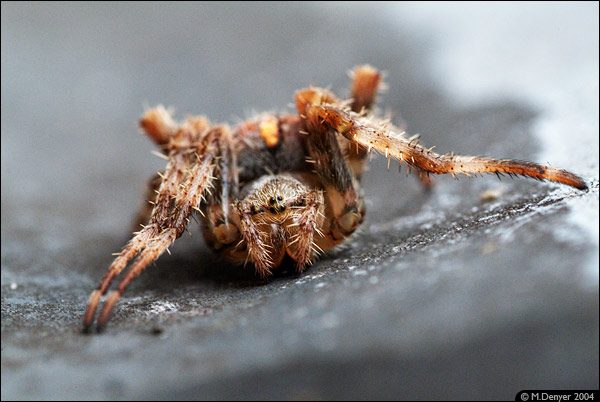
point(278, 185)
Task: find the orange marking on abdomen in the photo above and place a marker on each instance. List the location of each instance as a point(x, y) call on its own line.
point(269, 131)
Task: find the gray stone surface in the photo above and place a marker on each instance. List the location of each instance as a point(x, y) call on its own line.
point(441, 295)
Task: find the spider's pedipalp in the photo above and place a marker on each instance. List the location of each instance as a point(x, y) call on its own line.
point(370, 134)
point(302, 244)
point(256, 240)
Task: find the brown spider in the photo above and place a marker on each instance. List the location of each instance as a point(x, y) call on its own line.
point(278, 185)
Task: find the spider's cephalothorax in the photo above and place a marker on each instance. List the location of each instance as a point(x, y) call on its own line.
point(278, 185)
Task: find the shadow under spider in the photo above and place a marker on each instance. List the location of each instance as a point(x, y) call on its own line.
point(195, 264)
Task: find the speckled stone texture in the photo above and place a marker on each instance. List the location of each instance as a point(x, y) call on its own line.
point(440, 295)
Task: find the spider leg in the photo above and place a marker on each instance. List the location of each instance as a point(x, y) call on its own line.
point(187, 176)
point(344, 205)
point(345, 208)
point(172, 179)
point(158, 124)
point(344, 199)
point(366, 82)
point(221, 224)
point(315, 96)
point(371, 133)
point(156, 247)
point(187, 198)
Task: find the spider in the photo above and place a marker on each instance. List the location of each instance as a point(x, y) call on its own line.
point(278, 185)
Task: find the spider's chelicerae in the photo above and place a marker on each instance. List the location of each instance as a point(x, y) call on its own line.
point(278, 185)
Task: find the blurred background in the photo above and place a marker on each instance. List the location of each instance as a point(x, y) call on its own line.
point(446, 294)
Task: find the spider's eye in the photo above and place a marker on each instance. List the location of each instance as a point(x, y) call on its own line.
point(282, 208)
point(272, 210)
point(272, 200)
point(301, 201)
point(253, 209)
point(279, 198)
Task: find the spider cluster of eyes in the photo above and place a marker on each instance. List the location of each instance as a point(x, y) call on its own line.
point(276, 205)
point(274, 197)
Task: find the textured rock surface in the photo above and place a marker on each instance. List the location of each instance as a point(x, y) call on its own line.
point(442, 294)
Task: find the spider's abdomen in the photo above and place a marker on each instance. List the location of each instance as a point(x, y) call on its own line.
point(270, 145)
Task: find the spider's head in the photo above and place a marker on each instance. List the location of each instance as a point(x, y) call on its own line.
point(280, 216)
point(274, 199)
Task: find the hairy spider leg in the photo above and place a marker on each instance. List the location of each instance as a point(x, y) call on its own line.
point(159, 125)
point(220, 222)
point(173, 178)
point(187, 176)
point(386, 139)
point(345, 207)
point(366, 82)
point(187, 199)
